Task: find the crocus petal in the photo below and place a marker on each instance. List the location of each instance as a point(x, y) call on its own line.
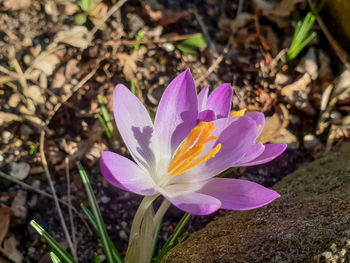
point(134, 125)
point(220, 100)
point(202, 99)
point(196, 203)
point(259, 118)
point(236, 194)
point(206, 115)
point(257, 149)
point(177, 112)
point(125, 174)
point(271, 152)
point(236, 136)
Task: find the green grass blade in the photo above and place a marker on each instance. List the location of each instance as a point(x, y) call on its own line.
point(105, 114)
point(172, 241)
point(100, 226)
point(96, 259)
point(93, 222)
point(133, 86)
point(104, 125)
point(90, 216)
point(301, 36)
point(59, 251)
point(54, 258)
point(156, 237)
point(297, 29)
point(300, 47)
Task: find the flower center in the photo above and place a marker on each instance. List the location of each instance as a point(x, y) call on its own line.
point(188, 154)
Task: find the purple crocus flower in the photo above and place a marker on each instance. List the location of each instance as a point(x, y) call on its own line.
point(191, 141)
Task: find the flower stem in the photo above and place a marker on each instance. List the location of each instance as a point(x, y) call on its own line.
point(142, 231)
point(161, 211)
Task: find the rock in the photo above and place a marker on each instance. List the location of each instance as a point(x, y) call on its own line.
point(311, 66)
point(123, 235)
point(169, 47)
point(18, 206)
point(6, 136)
point(335, 15)
point(311, 141)
point(14, 100)
point(310, 222)
point(20, 171)
point(105, 199)
point(26, 131)
point(34, 92)
point(282, 79)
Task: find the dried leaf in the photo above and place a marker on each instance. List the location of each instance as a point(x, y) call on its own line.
point(129, 66)
point(75, 36)
point(46, 62)
point(165, 18)
point(4, 222)
point(297, 94)
point(10, 250)
point(16, 4)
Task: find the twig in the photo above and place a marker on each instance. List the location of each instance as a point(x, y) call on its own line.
point(110, 12)
point(31, 188)
point(240, 7)
point(8, 72)
point(214, 65)
point(71, 219)
point(170, 38)
point(204, 29)
point(21, 77)
point(52, 187)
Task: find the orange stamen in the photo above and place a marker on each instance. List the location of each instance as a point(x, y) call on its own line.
point(239, 113)
point(188, 154)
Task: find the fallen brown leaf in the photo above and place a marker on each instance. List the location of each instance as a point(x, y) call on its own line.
point(129, 65)
point(10, 250)
point(16, 4)
point(165, 18)
point(297, 94)
point(4, 222)
point(76, 36)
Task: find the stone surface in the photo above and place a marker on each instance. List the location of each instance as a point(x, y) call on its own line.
point(310, 222)
point(335, 14)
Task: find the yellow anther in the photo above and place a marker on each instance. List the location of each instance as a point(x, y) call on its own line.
point(259, 127)
point(239, 113)
point(188, 154)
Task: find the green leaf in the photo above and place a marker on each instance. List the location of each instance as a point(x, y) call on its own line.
point(173, 239)
point(133, 86)
point(105, 114)
point(187, 50)
point(60, 252)
point(97, 218)
point(54, 258)
point(190, 45)
point(80, 19)
point(196, 41)
point(87, 5)
point(301, 37)
point(96, 259)
point(104, 125)
point(93, 222)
